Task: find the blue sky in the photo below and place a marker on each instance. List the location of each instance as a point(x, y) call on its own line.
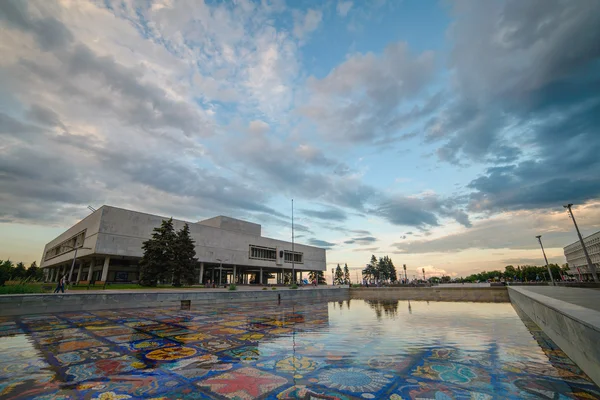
point(445, 134)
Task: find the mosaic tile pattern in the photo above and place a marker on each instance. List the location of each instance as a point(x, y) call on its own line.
point(338, 350)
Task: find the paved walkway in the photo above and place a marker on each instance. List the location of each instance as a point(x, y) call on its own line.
point(587, 298)
point(188, 290)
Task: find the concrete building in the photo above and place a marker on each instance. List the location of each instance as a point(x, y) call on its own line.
point(576, 258)
point(107, 246)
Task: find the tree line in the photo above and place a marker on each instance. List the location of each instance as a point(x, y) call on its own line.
point(18, 272)
point(382, 270)
point(522, 273)
point(341, 277)
point(168, 256)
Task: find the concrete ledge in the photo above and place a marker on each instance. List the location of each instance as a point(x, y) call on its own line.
point(575, 329)
point(435, 293)
point(86, 301)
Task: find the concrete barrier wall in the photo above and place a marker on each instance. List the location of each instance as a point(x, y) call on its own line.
point(435, 293)
point(55, 303)
point(575, 329)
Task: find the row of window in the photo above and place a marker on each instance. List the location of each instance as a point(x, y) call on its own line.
point(66, 246)
point(270, 254)
point(263, 253)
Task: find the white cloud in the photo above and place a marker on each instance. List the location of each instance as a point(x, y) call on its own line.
point(343, 7)
point(306, 23)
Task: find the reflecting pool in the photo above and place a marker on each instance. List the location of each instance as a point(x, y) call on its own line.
point(350, 349)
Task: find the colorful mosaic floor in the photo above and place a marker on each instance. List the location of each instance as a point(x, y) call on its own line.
point(339, 350)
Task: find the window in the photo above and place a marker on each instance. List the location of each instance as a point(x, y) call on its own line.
point(295, 257)
point(263, 253)
point(66, 246)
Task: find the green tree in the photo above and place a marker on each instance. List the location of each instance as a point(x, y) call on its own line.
point(34, 272)
point(185, 261)
point(20, 272)
point(346, 274)
point(156, 263)
point(6, 270)
point(374, 267)
point(319, 276)
point(339, 276)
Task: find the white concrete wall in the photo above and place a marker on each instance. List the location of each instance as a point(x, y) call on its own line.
point(122, 233)
point(576, 257)
point(91, 224)
point(232, 224)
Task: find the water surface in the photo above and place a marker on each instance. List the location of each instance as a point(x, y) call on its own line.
point(350, 349)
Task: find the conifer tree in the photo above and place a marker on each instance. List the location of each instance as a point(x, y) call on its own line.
point(339, 275)
point(346, 274)
point(184, 253)
point(157, 261)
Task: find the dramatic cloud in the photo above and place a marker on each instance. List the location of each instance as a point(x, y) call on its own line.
point(420, 211)
point(515, 230)
point(527, 97)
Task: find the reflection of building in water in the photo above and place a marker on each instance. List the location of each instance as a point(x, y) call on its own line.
point(387, 307)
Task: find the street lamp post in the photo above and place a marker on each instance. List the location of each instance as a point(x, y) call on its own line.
point(332, 281)
point(591, 266)
point(539, 238)
point(405, 277)
point(220, 271)
point(75, 258)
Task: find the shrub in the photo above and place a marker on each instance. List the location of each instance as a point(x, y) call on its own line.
point(294, 286)
point(264, 288)
point(273, 288)
point(356, 285)
point(19, 289)
point(232, 287)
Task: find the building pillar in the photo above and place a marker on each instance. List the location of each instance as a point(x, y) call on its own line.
point(201, 279)
point(91, 270)
point(79, 271)
point(105, 268)
point(235, 274)
point(212, 276)
point(49, 274)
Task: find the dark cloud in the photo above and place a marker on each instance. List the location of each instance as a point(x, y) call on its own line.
point(420, 211)
point(332, 214)
point(320, 243)
point(515, 231)
point(361, 240)
point(50, 33)
point(527, 98)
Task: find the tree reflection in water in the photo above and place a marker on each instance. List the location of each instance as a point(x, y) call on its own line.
point(387, 307)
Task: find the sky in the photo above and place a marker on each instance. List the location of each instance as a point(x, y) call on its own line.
point(444, 134)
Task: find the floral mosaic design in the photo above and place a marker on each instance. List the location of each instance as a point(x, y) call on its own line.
point(285, 351)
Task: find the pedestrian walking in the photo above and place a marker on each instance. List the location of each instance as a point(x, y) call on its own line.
point(60, 286)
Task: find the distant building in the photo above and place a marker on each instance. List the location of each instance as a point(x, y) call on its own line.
point(109, 247)
point(576, 257)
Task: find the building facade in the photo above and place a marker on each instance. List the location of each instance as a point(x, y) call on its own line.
point(107, 246)
point(578, 266)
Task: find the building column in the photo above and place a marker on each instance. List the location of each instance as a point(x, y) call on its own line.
point(235, 274)
point(201, 279)
point(49, 274)
point(91, 270)
point(301, 281)
point(260, 279)
point(79, 271)
point(105, 268)
point(212, 275)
